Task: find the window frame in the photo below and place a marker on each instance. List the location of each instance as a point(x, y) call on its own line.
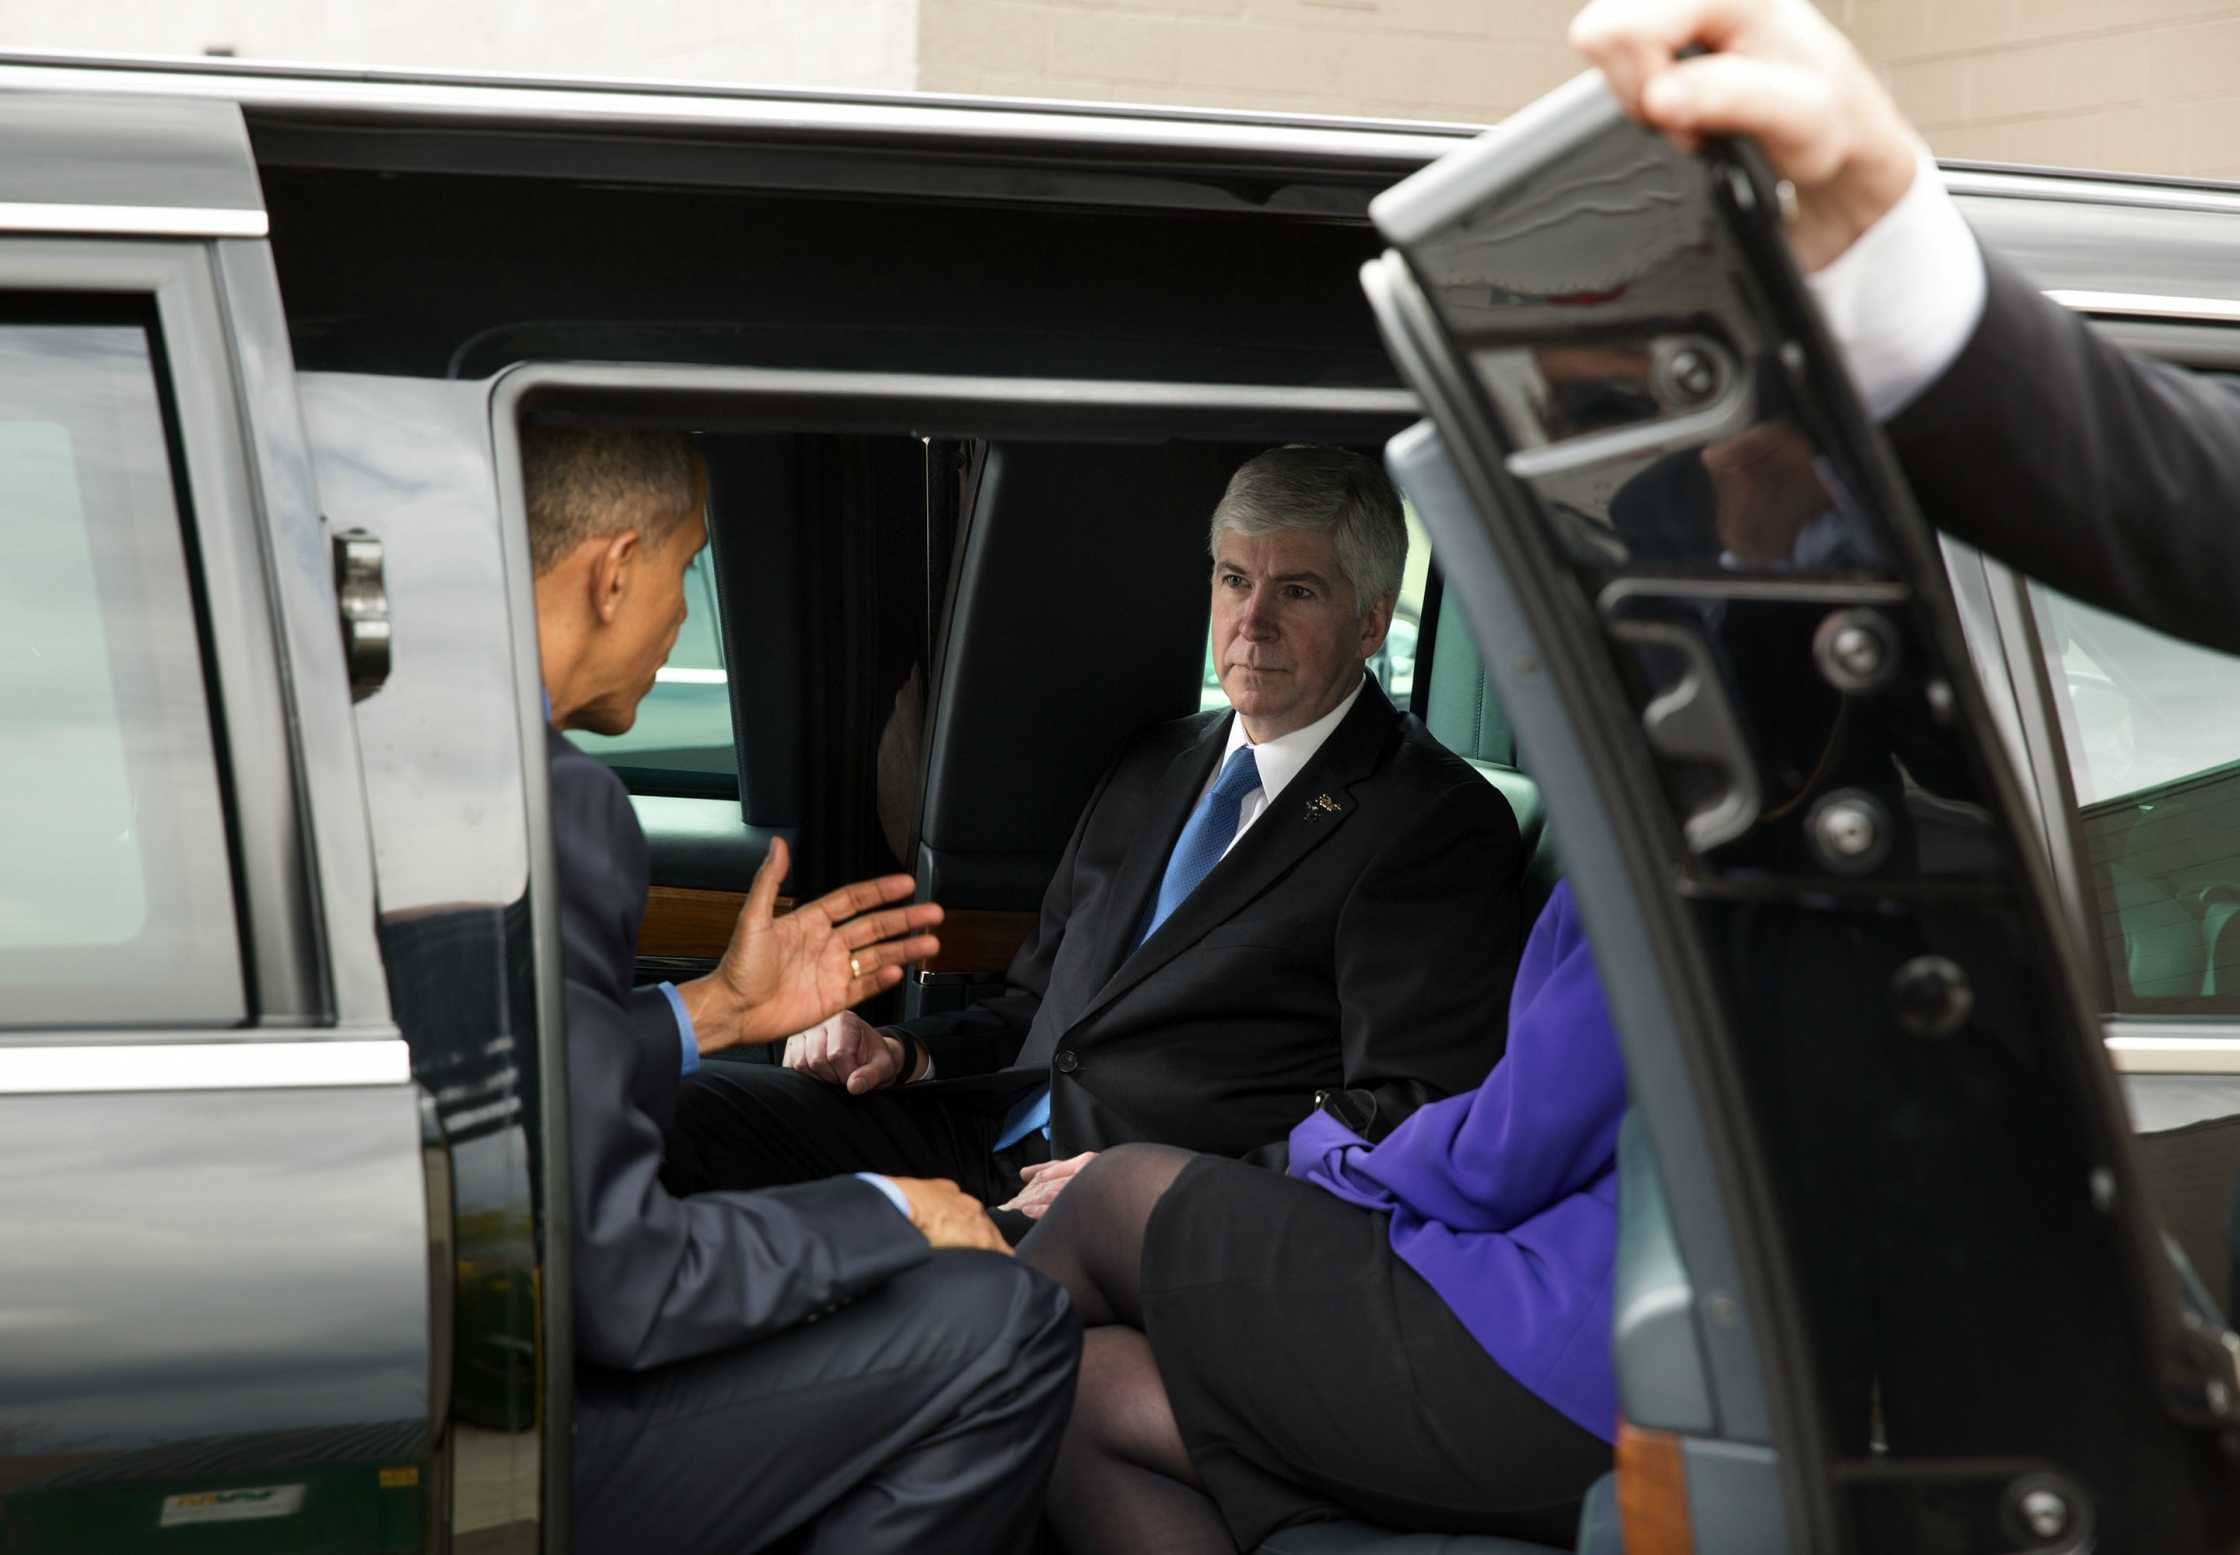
point(277, 902)
point(745, 399)
point(2137, 1043)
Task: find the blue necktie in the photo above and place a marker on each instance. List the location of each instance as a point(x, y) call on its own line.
point(1210, 830)
point(1205, 837)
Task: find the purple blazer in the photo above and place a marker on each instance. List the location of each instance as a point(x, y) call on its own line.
point(1505, 1199)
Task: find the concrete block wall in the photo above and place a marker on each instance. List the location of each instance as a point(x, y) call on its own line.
point(2125, 85)
point(840, 45)
point(2149, 86)
point(1460, 60)
point(2132, 85)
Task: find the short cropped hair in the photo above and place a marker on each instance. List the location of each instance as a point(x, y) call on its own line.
point(585, 483)
point(1332, 491)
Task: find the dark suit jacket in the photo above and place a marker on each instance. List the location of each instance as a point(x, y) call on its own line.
point(2109, 477)
point(1366, 951)
point(656, 1278)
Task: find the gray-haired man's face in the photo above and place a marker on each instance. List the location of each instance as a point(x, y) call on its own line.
point(1287, 640)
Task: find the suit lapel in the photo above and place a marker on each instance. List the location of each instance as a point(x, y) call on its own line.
point(1137, 878)
point(1282, 836)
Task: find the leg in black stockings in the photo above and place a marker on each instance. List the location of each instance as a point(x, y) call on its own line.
point(1091, 1241)
point(1123, 1484)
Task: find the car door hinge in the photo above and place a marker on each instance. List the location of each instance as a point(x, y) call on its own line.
point(362, 595)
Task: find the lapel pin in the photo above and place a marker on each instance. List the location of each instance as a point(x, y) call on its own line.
point(1321, 805)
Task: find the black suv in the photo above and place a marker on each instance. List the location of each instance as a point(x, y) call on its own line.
point(280, 1094)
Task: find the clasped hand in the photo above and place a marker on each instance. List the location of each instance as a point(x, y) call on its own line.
point(848, 1051)
point(784, 974)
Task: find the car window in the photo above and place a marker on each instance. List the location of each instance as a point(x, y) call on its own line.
point(2154, 755)
point(681, 742)
point(1394, 664)
point(117, 904)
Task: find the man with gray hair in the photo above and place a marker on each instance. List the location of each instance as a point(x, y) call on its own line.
point(1306, 902)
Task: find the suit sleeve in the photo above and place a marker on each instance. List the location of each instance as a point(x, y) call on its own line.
point(2111, 478)
point(660, 1279)
point(657, 1278)
point(1426, 956)
point(987, 1036)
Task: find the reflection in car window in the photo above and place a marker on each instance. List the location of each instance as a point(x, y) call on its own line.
point(681, 742)
point(1394, 664)
point(118, 897)
point(2154, 755)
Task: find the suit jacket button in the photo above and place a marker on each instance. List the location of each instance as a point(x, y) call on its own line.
point(1320, 1097)
point(1068, 1061)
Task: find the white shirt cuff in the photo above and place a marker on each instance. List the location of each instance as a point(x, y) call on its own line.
point(1903, 300)
point(885, 1186)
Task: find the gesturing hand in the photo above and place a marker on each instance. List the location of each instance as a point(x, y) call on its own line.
point(1045, 1180)
point(782, 975)
point(947, 1216)
point(1777, 71)
point(846, 1050)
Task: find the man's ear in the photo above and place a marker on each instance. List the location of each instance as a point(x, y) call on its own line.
point(613, 568)
point(1375, 622)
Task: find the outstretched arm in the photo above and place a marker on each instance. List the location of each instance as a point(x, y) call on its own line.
point(781, 975)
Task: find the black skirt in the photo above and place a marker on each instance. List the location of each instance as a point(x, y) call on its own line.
point(1316, 1376)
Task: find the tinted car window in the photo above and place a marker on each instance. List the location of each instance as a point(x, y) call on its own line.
point(117, 904)
point(2154, 755)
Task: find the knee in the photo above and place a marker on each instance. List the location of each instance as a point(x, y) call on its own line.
point(1123, 1183)
point(1047, 1329)
point(1020, 1311)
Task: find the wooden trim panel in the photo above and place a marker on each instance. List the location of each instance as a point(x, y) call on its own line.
point(974, 940)
point(688, 923)
point(692, 924)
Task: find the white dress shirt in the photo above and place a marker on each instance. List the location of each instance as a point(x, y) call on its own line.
point(1279, 760)
point(1902, 301)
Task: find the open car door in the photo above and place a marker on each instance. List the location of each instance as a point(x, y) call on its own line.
point(1887, 1280)
point(224, 1199)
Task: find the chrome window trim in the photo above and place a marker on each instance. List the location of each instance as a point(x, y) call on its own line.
point(140, 221)
point(27, 1070)
point(788, 394)
point(2148, 1047)
point(2151, 305)
point(548, 104)
point(2044, 778)
point(2089, 191)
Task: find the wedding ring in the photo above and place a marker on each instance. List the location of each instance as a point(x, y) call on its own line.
point(855, 966)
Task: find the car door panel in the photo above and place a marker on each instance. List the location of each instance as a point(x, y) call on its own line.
point(198, 1354)
point(217, 1321)
point(1730, 647)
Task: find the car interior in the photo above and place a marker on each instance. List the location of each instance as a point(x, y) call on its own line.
point(933, 631)
point(976, 625)
point(935, 637)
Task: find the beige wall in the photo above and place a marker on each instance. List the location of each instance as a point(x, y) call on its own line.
point(1467, 60)
point(2128, 85)
point(2133, 85)
point(861, 45)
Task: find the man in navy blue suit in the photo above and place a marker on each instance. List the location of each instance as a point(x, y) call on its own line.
point(846, 1365)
